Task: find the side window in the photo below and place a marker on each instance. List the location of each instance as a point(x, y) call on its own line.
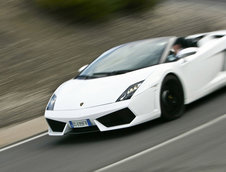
point(171, 57)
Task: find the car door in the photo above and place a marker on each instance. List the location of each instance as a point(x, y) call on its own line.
point(201, 68)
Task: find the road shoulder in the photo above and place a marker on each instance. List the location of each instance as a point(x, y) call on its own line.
point(12, 134)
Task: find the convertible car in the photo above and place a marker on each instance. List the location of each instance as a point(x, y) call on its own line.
point(137, 82)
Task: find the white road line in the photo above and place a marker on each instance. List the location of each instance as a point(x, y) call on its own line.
point(24, 141)
point(163, 143)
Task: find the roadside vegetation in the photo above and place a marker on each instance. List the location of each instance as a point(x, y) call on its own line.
point(93, 10)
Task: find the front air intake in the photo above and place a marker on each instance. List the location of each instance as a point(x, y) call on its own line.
point(124, 116)
point(56, 126)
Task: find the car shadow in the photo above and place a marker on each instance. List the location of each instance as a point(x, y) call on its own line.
point(117, 134)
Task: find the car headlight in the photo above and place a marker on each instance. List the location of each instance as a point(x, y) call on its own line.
point(129, 91)
point(51, 103)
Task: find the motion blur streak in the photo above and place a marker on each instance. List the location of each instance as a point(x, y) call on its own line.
point(38, 51)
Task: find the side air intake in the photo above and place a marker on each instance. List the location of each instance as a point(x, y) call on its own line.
point(56, 126)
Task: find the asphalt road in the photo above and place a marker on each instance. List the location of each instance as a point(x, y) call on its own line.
point(204, 149)
point(90, 152)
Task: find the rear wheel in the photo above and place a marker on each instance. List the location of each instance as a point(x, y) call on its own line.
point(171, 98)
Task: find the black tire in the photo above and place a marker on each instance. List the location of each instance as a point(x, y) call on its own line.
point(171, 98)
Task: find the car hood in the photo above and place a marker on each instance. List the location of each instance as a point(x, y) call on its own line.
point(79, 93)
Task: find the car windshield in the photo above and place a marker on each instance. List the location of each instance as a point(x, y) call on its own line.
point(126, 58)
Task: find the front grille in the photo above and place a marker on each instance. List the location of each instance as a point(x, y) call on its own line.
point(89, 129)
point(56, 126)
point(124, 116)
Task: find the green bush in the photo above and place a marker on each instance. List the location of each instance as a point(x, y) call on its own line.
point(94, 9)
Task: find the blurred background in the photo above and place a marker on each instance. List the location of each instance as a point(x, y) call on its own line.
point(44, 42)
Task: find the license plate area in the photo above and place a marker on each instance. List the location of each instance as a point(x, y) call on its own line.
point(80, 123)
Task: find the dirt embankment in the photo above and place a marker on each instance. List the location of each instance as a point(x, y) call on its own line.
point(38, 52)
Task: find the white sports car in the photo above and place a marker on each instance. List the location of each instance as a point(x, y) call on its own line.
point(138, 82)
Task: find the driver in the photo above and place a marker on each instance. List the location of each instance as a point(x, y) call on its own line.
point(182, 43)
point(178, 45)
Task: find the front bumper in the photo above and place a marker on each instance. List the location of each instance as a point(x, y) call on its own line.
point(100, 118)
point(105, 117)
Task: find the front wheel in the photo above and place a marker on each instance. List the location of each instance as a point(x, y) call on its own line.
point(171, 98)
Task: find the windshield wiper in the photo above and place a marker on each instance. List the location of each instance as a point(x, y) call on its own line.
point(112, 73)
point(85, 77)
point(102, 74)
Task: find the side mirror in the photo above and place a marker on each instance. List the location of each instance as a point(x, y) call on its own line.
point(82, 68)
point(187, 52)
